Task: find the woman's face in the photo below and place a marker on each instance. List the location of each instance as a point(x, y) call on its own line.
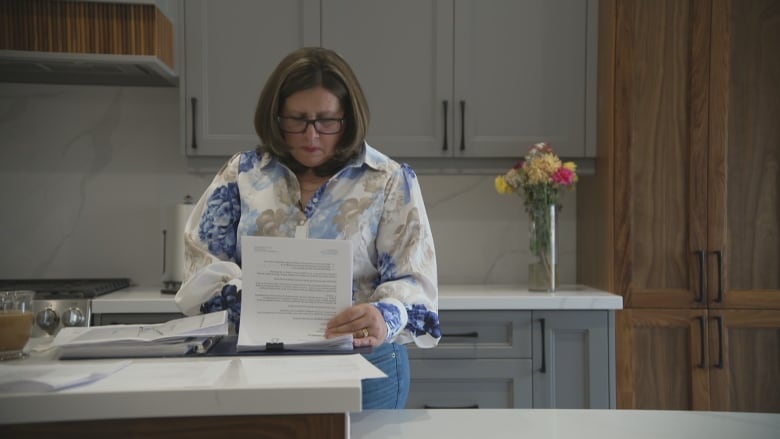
point(312, 148)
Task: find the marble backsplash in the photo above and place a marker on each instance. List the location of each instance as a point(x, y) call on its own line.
point(87, 174)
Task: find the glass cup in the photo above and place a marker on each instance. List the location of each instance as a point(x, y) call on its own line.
point(16, 323)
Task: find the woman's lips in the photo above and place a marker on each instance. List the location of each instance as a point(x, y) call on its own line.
point(310, 149)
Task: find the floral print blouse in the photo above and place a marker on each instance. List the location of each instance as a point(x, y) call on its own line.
point(374, 202)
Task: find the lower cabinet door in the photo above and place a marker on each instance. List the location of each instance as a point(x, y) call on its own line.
point(571, 360)
point(470, 383)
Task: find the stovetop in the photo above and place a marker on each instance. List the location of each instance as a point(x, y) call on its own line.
point(51, 289)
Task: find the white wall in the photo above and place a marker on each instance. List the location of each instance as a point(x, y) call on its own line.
point(88, 174)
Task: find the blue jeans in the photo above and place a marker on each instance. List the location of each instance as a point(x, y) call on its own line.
point(390, 392)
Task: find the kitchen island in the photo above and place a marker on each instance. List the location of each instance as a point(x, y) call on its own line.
point(235, 405)
point(563, 424)
point(223, 409)
point(290, 396)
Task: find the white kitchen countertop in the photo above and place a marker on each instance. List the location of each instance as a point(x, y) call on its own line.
point(235, 392)
point(186, 387)
point(492, 297)
point(149, 299)
point(563, 424)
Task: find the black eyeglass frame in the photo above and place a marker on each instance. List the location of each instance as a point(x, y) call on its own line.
point(312, 122)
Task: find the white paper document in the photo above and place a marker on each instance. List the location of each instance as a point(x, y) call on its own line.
point(15, 378)
point(173, 338)
point(161, 374)
point(201, 325)
point(291, 288)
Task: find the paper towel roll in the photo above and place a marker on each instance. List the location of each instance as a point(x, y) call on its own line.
point(174, 258)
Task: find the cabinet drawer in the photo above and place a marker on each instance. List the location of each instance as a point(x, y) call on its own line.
point(481, 334)
point(478, 383)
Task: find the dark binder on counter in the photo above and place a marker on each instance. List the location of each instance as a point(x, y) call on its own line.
point(226, 347)
point(190, 346)
point(217, 346)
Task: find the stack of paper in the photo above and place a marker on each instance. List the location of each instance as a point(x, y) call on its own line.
point(188, 335)
point(292, 288)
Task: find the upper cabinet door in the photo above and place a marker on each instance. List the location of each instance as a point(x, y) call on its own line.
point(744, 155)
point(660, 119)
point(401, 52)
point(443, 78)
point(231, 49)
point(525, 73)
point(464, 78)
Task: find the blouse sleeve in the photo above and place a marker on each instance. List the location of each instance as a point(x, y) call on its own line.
point(407, 292)
point(210, 261)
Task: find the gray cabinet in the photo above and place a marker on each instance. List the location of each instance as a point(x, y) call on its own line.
point(444, 78)
point(571, 359)
point(230, 50)
point(517, 359)
point(483, 360)
point(473, 383)
point(469, 78)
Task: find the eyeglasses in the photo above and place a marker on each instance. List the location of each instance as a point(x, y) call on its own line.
point(298, 125)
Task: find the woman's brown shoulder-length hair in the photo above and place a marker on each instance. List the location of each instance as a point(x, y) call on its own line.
point(303, 69)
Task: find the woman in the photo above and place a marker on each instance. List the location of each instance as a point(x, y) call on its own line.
point(315, 176)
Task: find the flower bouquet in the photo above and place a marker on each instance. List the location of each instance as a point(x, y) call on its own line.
point(540, 179)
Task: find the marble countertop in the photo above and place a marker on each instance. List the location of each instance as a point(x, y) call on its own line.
point(187, 386)
point(563, 424)
point(486, 297)
point(149, 299)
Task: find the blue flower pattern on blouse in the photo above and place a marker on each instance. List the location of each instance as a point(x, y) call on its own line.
point(229, 299)
point(422, 320)
point(386, 266)
point(409, 175)
point(219, 221)
point(374, 202)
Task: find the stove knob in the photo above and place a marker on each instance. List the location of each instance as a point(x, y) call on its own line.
point(48, 320)
point(73, 317)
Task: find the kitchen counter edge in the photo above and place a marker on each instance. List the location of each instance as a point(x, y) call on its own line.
point(149, 299)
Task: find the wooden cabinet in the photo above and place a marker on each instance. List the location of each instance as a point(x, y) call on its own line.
point(444, 78)
point(697, 359)
point(685, 209)
point(745, 351)
point(516, 359)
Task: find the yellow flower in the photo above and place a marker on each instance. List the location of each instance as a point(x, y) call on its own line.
point(502, 187)
point(539, 177)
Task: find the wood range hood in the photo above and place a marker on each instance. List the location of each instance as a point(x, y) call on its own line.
point(86, 42)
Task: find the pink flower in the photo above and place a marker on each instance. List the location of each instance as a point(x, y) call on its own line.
point(563, 176)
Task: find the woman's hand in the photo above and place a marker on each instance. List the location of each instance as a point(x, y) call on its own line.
point(364, 322)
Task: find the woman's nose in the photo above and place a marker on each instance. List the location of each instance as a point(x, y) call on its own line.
point(311, 132)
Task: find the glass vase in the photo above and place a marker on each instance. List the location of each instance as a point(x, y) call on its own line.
point(543, 268)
